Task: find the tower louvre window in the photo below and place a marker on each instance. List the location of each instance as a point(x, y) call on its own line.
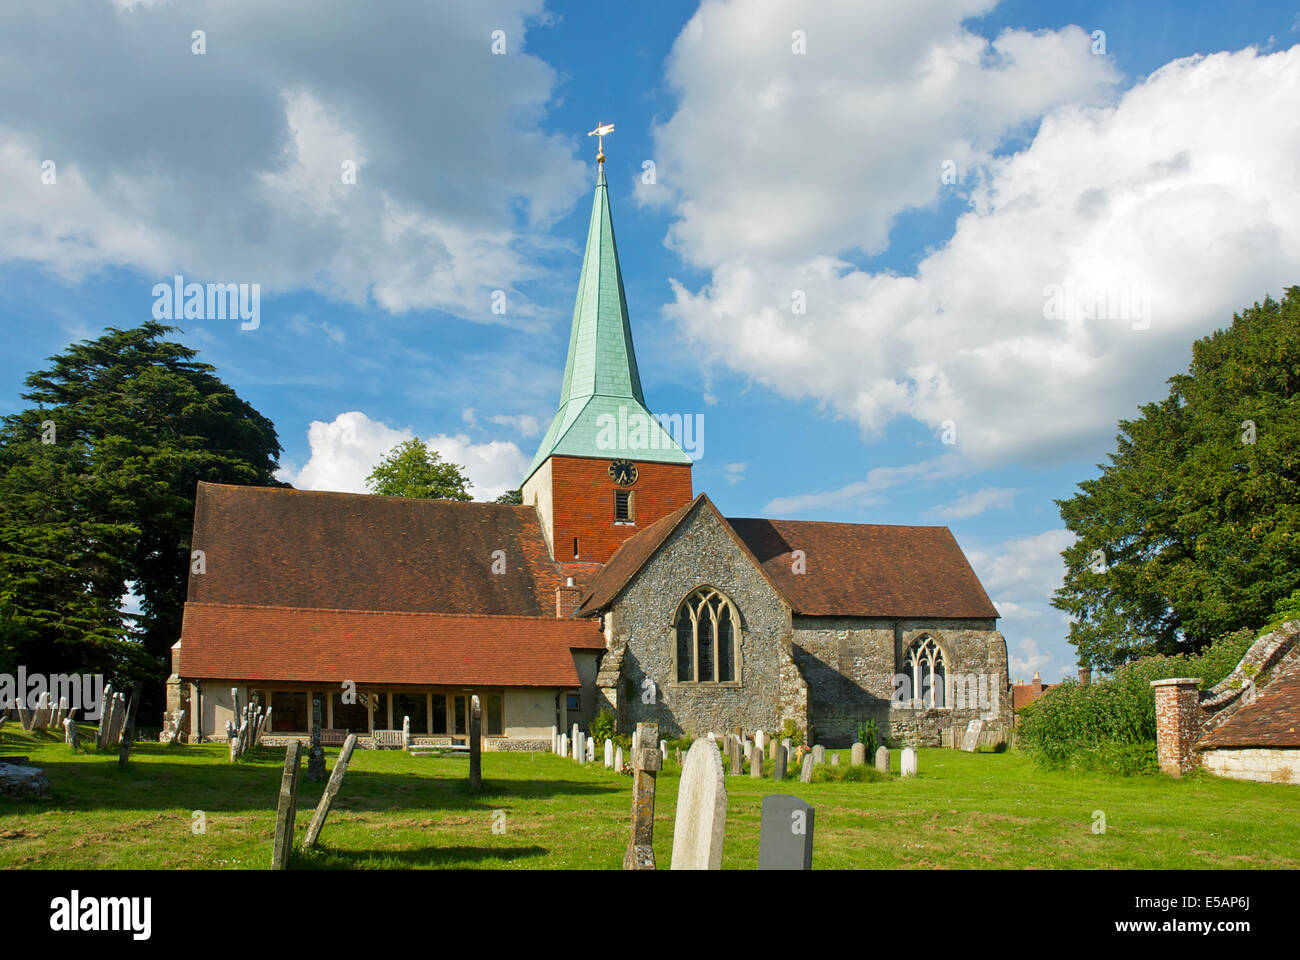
point(622, 506)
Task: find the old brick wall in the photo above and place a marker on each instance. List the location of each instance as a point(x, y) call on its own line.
point(702, 551)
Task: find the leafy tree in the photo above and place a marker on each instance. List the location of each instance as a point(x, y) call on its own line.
point(1193, 528)
point(97, 485)
point(411, 469)
point(515, 497)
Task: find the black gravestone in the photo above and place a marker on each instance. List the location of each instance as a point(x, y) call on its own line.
point(785, 838)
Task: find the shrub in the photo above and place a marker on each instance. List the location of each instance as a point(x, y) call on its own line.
point(824, 773)
point(1288, 608)
point(868, 737)
point(791, 729)
point(602, 728)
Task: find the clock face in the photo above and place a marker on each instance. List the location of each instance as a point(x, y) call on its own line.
point(623, 472)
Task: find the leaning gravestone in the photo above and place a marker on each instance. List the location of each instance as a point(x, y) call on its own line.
point(858, 755)
point(701, 822)
point(805, 774)
point(882, 759)
point(327, 798)
point(646, 763)
point(475, 743)
point(778, 767)
point(282, 846)
point(785, 836)
point(128, 732)
point(907, 763)
point(971, 739)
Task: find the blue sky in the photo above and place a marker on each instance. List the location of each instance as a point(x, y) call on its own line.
point(1161, 166)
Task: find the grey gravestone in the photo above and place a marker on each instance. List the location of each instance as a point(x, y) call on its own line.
point(882, 759)
point(971, 739)
point(858, 755)
point(756, 762)
point(778, 767)
point(805, 774)
point(282, 846)
point(701, 822)
point(406, 733)
point(819, 754)
point(618, 759)
point(69, 733)
point(772, 748)
point(835, 759)
point(316, 755)
point(128, 732)
point(23, 781)
point(788, 744)
point(737, 762)
point(785, 837)
point(646, 763)
point(907, 762)
point(475, 747)
point(327, 798)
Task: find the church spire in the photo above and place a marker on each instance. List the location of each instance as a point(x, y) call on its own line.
point(600, 373)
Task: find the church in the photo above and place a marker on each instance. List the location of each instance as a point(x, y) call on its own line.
point(614, 586)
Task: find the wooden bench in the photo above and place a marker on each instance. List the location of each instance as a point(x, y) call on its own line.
point(388, 738)
point(333, 738)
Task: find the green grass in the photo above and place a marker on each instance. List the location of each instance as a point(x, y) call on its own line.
point(965, 810)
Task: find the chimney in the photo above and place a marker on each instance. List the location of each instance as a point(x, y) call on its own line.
point(567, 598)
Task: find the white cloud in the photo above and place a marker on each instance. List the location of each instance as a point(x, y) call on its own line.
point(973, 504)
point(1181, 188)
point(524, 424)
point(230, 166)
point(734, 473)
point(864, 492)
point(1027, 658)
point(345, 451)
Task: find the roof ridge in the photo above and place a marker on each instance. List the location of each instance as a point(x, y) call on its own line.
point(847, 523)
point(388, 613)
point(372, 496)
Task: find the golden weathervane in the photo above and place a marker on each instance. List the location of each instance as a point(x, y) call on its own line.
point(600, 133)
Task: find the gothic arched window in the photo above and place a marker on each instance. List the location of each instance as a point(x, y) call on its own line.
point(707, 628)
point(927, 670)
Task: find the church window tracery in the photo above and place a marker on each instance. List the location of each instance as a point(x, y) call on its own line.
point(707, 631)
point(927, 669)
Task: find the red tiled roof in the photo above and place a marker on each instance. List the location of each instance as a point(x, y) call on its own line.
point(1273, 720)
point(266, 545)
point(1023, 694)
point(247, 642)
point(850, 569)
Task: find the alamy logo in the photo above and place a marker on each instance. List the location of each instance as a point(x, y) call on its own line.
point(76, 913)
point(638, 431)
point(961, 691)
point(179, 300)
point(81, 691)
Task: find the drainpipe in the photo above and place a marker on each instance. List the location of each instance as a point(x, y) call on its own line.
point(198, 716)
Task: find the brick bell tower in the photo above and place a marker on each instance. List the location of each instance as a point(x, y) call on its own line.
point(606, 469)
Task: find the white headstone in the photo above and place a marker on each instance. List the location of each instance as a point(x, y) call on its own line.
point(555, 739)
point(760, 739)
point(907, 764)
point(701, 821)
point(971, 739)
point(609, 754)
point(591, 750)
point(618, 759)
point(663, 749)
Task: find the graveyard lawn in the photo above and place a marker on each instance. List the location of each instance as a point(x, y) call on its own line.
point(539, 811)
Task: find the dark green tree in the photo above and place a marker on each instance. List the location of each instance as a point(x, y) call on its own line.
point(515, 497)
point(411, 469)
point(1193, 528)
point(97, 485)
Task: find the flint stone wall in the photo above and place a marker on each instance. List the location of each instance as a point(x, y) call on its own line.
point(642, 641)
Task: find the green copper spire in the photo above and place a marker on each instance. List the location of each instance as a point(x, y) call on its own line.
point(601, 404)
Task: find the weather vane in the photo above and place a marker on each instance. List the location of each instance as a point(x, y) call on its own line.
point(600, 133)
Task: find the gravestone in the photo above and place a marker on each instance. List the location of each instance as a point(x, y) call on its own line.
point(756, 762)
point(788, 744)
point(591, 749)
point(663, 750)
point(646, 763)
point(882, 759)
point(772, 748)
point(971, 739)
point(69, 732)
point(578, 749)
point(475, 743)
point(819, 754)
point(22, 780)
point(785, 835)
point(835, 759)
point(128, 731)
point(858, 755)
point(282, 845)
point(41, 719)
point(316, 755)
point(406, 733)
point(737, 761)
point(635, 744)
point(618, 759)
point(701, 822)
point(749, 748)
point(573, 743)
point(679, 756)
point(564, 745)
point(907, 762)
point(609, 754)
point(805, 774)
point(24, 715)
point(778, 766)
point(555, 739)
point(327, 798)
point(760, 739)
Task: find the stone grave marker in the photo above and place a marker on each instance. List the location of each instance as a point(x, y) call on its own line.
point(663, 750)
point(406, 732)
point(971, 739)
point(785, 835)
point(835, 759)
point(41, 719)
point(858, 755)
point(907, 763)
point(282, 846)
point(69, 733)
point(646, 764)
point(882, 759)
point(756, 762)
point(618, 759)
point(805, 774)
point(475, 743)
point(24, 715)
point(591, 749)
point(760, 739)
point(573, 742)
point(316, 755)
point(128, 731)
point(819, 754)
point(609, 754)
point(555, 739)
point(701, 822)
point(778, 766)
point(327, 798)
point(788, 744)
point(772, 748)
point(737, 758)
